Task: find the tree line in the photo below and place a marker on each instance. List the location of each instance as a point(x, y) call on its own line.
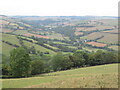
point(23, 64)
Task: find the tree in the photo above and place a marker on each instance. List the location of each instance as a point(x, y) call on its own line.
point(37, 67)
point(19, 62)
point(61, 62)
point(78, 59)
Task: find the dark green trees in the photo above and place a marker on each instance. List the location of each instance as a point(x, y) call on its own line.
point(61, 62)
point(37, 67)
point(19, 62)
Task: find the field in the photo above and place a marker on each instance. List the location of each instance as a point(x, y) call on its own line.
point(107, 38)
point(57, 36)
point(20, 32)
point(103, 76)
point(38, 47)
point(6, 49)
point(11, 38)
point(96, 44)
point(92, 36)
point(114, 47)
point(90, 49)
point(35, 35)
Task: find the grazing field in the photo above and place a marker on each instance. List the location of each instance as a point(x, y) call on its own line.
point(78, 33)
point(114, 47)
point(38, 47)
point(96, 44)
point(102, 76)
point(20, 32)
point(51, 46)
point(6, 49)
point(57, 36)
point(92, 36)
point(112, 31)
point(7, 30)
point(35, 35)
point(107, 38)
point(55, 42)
point(90, 49)
point(10, 38)
point(112, 22)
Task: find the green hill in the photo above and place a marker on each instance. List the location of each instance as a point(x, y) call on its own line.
point(103, 76)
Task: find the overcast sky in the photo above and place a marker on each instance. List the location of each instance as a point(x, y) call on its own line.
point(59, 7)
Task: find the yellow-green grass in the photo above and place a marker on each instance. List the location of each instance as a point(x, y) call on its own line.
point(6, 49)
point(60, 43)
point(112, 22)
point(10, 38)
point(92, 36)
point(114, 47)
point(20, 32)
point(51, 46)
point(102, 76)
point(90, 49)
point(57, 36)
point(108, 37)
point(38, 47)
point(72, 47)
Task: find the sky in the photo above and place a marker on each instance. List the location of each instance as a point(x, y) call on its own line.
point(59, 7)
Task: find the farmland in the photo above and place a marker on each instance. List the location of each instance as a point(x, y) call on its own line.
point(29, 35)
point(59, 52)
point(37, 47)
point(96, 44)
point(104, 76)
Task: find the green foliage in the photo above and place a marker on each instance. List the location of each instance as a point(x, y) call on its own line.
point(19, 62)
point(60, 62)
point(37, 67)
point(5, 69)
point(78, 59)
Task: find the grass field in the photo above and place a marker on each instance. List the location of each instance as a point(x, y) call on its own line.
point(6, 49)
point(20, 32)
point(114, 47)
point(90, 49)
point(107, 38)
point(10, 38)
point(57, 36)
point(103, 76)
point(38, 47)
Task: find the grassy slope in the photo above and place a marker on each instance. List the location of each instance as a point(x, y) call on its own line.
point(11, 38)
point(6, 49)
point(38, 47)
point(89, 77)
point(114, 47)
point(20, 32)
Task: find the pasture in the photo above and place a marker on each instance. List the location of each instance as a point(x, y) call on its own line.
point(96, 44)
point(38, 47)
point(107, 38)
point(10, 38)
point(102, 76)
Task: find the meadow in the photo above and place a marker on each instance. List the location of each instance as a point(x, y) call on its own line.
point(102, 76)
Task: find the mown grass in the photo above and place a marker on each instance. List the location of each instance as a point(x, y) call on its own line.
point(103, 76)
